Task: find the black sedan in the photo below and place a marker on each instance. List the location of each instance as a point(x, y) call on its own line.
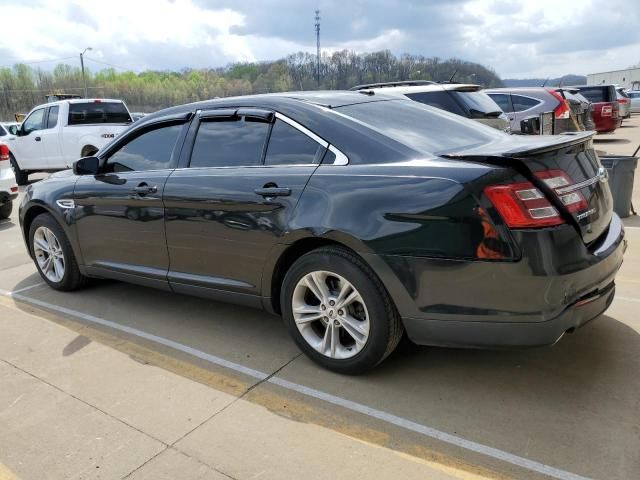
point(355, 216)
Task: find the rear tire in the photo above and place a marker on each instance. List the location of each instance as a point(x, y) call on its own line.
point(6, 209)
point(53, 255)
point(340, 335)
point(22, 177)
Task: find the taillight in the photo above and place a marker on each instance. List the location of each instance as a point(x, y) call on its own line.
point(607, 111)
point(622, 101)
point(562, 110)
point(521, 205)
point(4, 152)
point(555, 180)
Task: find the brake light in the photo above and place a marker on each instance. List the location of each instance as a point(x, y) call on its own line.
point(607, 111)
point(4, 152)
point(556, 179)
point(622, 100)
point(562, 110)
point(521, 205)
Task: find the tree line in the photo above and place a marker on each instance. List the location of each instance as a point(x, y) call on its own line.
point(22, 87)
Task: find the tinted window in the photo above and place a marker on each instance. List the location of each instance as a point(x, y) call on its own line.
point(478, 102)
point(523, 103)
point(441, 100)
point(3, 132)
point(502, 100)
point(597, 94)
point(98, 112)
point(289, 146)
point(634, 94)
point(150, 151)
point(419, 127)
point(229, 143)
point(34, 122)
point(52, 119)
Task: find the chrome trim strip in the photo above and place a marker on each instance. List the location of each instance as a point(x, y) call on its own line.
point(577, 186)
point(66, 203)
point(341, 158)
point(303, 129)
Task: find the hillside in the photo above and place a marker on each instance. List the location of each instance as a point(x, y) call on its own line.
point(552, 82)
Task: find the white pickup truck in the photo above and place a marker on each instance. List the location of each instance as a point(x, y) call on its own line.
point(55, 135)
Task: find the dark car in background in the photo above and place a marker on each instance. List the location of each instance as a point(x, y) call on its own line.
point(606, 109)
point(581, 108)
point(522, 103)
point(355, 216)
point(466, 100)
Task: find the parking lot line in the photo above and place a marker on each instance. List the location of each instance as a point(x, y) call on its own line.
point(628, 299)
point(317, 394)
point(24, 289)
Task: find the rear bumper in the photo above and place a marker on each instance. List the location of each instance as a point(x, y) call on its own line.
point(557, 285)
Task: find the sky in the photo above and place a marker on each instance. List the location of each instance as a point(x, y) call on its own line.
point(518, 39)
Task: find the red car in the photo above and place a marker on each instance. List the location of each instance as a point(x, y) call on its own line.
point(606, 110)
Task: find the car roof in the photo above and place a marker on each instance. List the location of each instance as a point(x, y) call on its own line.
point(517, 89)
point(82, 100)
point(435, 87)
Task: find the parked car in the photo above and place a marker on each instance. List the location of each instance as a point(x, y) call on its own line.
point(634, 97)
point(465, 100)
point(8, 130)
point(581, 108)
point(526, 102)
point(606, 108)
point(8, 187)
point(624, 102)
point(354, 216)
point(56, 134)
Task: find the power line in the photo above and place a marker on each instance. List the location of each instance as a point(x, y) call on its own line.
point(110, 64)
point(38, 61)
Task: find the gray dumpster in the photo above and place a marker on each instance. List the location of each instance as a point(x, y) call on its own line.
point(621, 171)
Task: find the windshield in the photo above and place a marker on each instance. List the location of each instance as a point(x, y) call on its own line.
point(421, 127)
point(479, 101)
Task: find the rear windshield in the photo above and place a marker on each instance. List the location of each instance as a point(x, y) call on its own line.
point(98, 112)
point(598, 94)
point(421, 127)
point(478, 101)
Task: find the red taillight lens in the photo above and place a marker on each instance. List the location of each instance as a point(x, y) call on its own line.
point(607, 111)
point(4, 152)
point(521, 205)
point(562, 110)
point(556, 179)
point(622, 100)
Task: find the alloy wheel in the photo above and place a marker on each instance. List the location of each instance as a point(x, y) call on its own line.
point(330, 314)
point(49, 254)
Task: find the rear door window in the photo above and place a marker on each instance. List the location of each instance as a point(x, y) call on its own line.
point(441, 100)
point(98, 112)
point(521, 103)
point(289, 146)
point(503, 100)
point(229, 143)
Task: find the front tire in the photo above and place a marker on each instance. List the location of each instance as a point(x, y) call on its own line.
point(53, 255)
point(338, 312)
point(22, 177)
point(5, 210)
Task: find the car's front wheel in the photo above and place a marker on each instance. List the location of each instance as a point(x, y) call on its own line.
point(53, 254)
point(338, 311)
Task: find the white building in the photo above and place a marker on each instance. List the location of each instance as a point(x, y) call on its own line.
point(629, 78)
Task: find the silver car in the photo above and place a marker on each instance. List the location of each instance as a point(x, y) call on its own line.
point(634, 96)
point(624, 102)
point(527, 102)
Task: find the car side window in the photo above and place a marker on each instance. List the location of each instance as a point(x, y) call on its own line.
point(34, 121)
point(523, 103)
point(52, 117)
point(232, 142)
point(502, 100)
point(152, 150)
point(3, 132)
point(442, 100)
point(289, 146)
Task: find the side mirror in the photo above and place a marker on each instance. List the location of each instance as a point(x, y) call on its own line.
point(87, 166)
point(13, 130)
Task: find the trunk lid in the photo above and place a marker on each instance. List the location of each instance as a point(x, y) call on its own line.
point(543, 160)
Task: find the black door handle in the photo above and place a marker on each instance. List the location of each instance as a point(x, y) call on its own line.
point(273, 192)
point(143, 189)
point(37, 139)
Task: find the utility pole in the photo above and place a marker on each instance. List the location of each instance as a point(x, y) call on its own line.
point(318, 46)
point(84, 79)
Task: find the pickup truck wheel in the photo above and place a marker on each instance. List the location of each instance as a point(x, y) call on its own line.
point(22, 177)
point(53, 255)
point(5, 210)
point(88, 150)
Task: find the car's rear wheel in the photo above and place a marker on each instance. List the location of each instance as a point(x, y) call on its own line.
point(338, 311)
point(6, 209)
point(22, 177)
point(53, 254)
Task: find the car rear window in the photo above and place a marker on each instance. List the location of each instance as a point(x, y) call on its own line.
point(420, 127)
point(478, 101)
point(441, 100)
point(599, 94)
point(98, 112)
